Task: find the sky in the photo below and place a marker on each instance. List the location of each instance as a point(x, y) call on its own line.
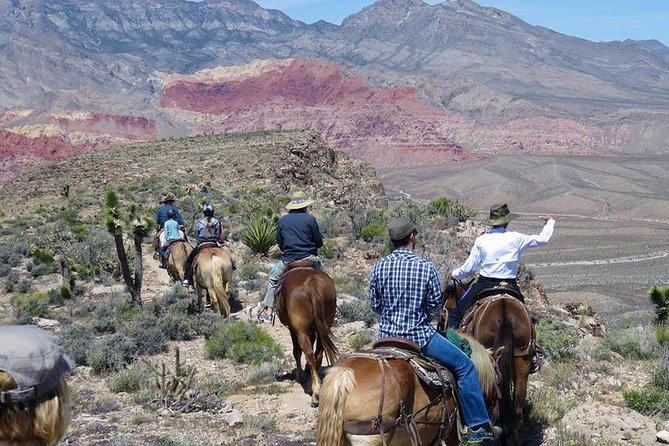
point(597, 20)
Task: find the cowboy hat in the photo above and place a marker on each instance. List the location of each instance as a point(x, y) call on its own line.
point(499, 214)
point(299, 200)
point(168, 198)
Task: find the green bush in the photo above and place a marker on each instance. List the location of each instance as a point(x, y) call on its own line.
point(42, 255)
point(129, 380)
point(661, 371)
point(30, 305)
point(359, 340)
point(557, 339)
point(546, 407)
point(248, 271)
point(111, 353)
point(260, 235)
point(631, 343)
point(450, 209)
point(76, 342)
point(659, 295)
point(244, 342)
point(648, 401)
point(330, 250)
point(43, 269)
point(357, 310)
point(662, 334)
point(374, 232)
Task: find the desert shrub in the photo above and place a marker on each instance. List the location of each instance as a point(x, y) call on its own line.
point(564, 437)
point(54, 298)
point(111, 353)
point(255, 424)
point(147, 333)
point(659, 295)
point(374, 232)
point(662, 334)
point(260, 235)
point(546, 406)
point(244, 342)
point(30, 305)
point(76, 342)
point(24, 286)
point(207, 323)
point(177, 326)
point(648, 401)
point(354, 284)
point(330, 250)
point(557, 339)
point(42, 255)
point(65, 292)
point(263, 373)
point(5, 269)
point(661, 371)
point(359, 340)
point(248, 271)
point(104, 405)
point(450, 209)
point(631, 343)
point(357, 310)
point(43, 269)
point(330, 223)
point(129, 380)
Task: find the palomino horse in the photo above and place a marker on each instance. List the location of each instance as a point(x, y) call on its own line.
point(178, 253)
point(501, 320)
point(212, 273)
point(306, 304)
point(362, 396)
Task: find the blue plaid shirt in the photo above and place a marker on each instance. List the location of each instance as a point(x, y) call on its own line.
point(404, 290)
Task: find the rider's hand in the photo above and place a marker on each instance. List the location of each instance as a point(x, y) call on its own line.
point(547, 217)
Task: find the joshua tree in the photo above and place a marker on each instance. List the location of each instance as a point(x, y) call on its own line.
point(139, 229)
point(659, 295)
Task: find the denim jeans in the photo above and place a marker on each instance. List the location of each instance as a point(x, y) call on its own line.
point(275, 274)
point(469, 390)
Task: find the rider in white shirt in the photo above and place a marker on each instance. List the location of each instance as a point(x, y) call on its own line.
point(497, 254)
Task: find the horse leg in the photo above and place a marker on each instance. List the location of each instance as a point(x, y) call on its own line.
point(306, 346)
point(297, 354)
point(522, 369)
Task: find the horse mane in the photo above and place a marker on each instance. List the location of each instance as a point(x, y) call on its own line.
point(484, 364)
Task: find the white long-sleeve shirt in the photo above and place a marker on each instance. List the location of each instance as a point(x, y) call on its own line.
point(497, 252)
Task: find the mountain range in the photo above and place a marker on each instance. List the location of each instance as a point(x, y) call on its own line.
point(399, 83)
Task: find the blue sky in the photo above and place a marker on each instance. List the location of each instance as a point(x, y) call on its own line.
point(591, 19)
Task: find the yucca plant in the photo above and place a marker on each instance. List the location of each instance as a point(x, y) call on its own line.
point(659, 295)
point(260, 235)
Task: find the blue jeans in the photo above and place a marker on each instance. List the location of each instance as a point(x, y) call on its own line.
point(471, 399)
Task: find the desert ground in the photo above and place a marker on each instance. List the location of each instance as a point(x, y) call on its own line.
point(612, 237)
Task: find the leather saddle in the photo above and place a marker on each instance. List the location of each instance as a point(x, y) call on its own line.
point(303, 263)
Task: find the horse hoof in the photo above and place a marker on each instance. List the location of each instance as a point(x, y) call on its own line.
point(314, 402)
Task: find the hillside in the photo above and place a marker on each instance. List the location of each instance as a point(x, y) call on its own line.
point(469, 77)
point(54, 212)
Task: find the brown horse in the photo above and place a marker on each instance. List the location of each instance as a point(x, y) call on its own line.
point(212, 273)
point(176, 259)
point(306, 304)
point(356, 391)
point(501, 320)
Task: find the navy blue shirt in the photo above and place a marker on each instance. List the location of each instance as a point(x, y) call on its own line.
point(298, 235)
point(161, 215)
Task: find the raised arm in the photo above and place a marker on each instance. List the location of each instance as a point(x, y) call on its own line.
point(532, 241)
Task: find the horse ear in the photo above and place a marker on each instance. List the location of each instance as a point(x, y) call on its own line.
point(498, 353)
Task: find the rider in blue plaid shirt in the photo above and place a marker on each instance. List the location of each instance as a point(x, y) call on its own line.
point(406, 293)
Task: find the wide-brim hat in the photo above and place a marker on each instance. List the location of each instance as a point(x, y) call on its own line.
point(299, 200)
point(34, 359)
point(499, 214)
point(168, 198)
point(399, 228)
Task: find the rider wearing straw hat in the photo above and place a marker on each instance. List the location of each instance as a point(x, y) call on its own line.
point(497, 254)
point(299, 238)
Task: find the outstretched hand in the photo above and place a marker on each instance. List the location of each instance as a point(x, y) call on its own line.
point(547, 217)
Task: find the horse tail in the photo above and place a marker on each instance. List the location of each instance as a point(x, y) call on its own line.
point(337, 386)
point(220, 290)
point(483, 362)
point(316, 289)
point(506, 367)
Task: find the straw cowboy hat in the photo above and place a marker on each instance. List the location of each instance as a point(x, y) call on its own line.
point(299, 200)
point(499, 214)
point(168, 198)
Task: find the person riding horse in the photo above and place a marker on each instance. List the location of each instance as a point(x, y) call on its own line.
point(170, 233)
point(405, 291)
point(168, 205)
point(207, 230)
point(299, 238)
point(497, 253)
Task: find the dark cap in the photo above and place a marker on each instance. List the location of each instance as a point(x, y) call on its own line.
point(34, 360)
point(399, 228)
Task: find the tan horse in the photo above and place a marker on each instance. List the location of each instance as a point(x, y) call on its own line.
point(352, 394)
point(306, 304)
point(501, 320)
point(212, 274)
point(178, 253)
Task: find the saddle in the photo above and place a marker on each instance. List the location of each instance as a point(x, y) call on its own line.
point(429, 371)
point(303, 263)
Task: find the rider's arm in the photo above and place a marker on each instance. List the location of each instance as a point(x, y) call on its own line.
point(531, 241)
point(179, 219)
point(375, 293)
point(433, 293)
point(470, 265)
point(316, 234)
